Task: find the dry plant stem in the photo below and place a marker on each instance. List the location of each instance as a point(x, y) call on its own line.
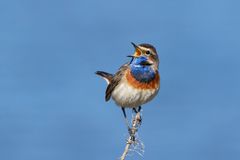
point(131, 139)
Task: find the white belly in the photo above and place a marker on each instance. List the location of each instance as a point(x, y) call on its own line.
point(127, 96)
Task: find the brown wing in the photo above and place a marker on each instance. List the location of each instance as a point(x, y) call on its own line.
point(115, 81)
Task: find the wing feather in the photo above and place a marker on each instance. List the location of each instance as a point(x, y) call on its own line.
point(115, 81)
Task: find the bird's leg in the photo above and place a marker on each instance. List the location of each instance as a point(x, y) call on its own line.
point(139, 108)
point(126, 120)
point(135, 110)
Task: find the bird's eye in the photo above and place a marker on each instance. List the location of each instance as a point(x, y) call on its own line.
point(148, 52)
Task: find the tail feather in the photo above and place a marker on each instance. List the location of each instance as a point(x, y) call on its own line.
point(107, 76)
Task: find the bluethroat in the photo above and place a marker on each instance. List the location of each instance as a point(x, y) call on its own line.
point(136, 82)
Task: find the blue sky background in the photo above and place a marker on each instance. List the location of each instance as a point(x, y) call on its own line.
point(52, 105)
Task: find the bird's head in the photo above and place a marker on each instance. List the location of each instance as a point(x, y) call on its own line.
point(145, 55)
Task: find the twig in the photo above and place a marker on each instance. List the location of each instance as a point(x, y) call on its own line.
point(131, 139)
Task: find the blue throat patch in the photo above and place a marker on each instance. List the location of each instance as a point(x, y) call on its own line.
point(142, 73)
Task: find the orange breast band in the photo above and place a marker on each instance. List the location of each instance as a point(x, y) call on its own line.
point(140, 85)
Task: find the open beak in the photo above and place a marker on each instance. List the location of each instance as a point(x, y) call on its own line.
point(134, 45)
point(131, 56)
point(137, 52)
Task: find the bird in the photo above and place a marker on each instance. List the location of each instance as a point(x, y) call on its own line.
point(136, 82)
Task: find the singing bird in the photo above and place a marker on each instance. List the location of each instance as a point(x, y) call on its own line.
point(136, 82)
